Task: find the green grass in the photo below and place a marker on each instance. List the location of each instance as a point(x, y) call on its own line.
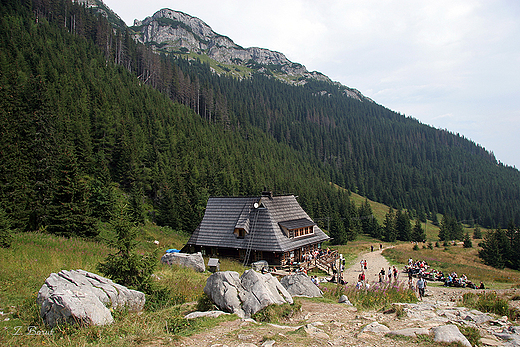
point(34, 256)
point(376, 297)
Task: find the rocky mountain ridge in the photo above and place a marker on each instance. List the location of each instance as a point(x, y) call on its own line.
point(177, 32)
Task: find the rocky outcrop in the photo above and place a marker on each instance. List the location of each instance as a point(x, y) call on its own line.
point(301, 285)
point(175, 31)
point(194, 261)
point(247, 294)
point(81, 297)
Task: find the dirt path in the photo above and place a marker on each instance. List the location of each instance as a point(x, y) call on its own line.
point(375, 262)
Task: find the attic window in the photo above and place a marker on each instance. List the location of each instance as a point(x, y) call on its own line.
point(240, 233)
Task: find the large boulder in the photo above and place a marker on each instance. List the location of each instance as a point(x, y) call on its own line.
point(449, 334)
point(247, 294)
point(194, 261)
point(301, 285)
point(81, 297)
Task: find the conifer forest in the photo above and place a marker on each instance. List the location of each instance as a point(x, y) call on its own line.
point(89, 117)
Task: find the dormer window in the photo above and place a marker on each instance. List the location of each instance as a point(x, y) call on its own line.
point(240, 233)
point(297, 227)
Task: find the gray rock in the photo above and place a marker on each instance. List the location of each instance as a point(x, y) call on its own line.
point(375, 327)
point(448, 334)
point(268, 343)
point(247, 294)
point(261, 290)
point(410, 332)
point(194, 261)
point(81, 297)
point(477, 317)
point(223, 288)
point(344, 300)
point(301, 285)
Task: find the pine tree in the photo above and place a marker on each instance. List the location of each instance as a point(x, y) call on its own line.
point(418, 234)
point(467, 241)
point(494, 246)
point(69, 214)
point(477, 233)
point(126, 267)
point(389, 228)
point(136, 205)
point(403, 226)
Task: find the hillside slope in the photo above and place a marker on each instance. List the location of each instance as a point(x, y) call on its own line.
point(81, 111)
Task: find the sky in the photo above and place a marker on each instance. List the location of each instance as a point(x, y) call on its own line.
point(451, 64)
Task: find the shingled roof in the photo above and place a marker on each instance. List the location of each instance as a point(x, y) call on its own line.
point(261, 217)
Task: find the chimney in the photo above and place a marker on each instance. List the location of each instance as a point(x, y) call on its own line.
point(268, 194)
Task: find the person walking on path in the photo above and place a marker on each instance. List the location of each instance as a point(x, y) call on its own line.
point(421, 286)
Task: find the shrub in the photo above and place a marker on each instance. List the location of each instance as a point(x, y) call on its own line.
point(275, 313)
point(204, 303)
point(415, 247)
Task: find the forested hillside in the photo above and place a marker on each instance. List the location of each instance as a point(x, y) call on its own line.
point(85, 112)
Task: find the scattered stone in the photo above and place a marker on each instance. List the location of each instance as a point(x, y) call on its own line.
point(301, 285)
point(315, 332)
point(194, 261)
point(245, 337)
point(477, 317)
point(448, 334)
point(84, 298)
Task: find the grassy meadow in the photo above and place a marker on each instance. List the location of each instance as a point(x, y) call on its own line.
point(34, 256)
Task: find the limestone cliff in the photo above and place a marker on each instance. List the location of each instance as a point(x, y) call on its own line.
point(177, 32)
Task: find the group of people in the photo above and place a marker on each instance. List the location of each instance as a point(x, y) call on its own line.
point(421, 269)
point(392, 272)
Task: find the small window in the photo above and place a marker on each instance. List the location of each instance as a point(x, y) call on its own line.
point(240, 233)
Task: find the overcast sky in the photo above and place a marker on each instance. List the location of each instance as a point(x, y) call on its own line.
point(452, 64)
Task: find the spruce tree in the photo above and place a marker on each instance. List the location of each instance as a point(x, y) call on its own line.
point(477, 233)
point(467, 241)
point(389, 228)
point(68, 213)
point(126, 267)
point(418, 234)
point(403, 226)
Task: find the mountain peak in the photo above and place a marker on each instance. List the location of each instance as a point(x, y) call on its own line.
point(176, 32)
